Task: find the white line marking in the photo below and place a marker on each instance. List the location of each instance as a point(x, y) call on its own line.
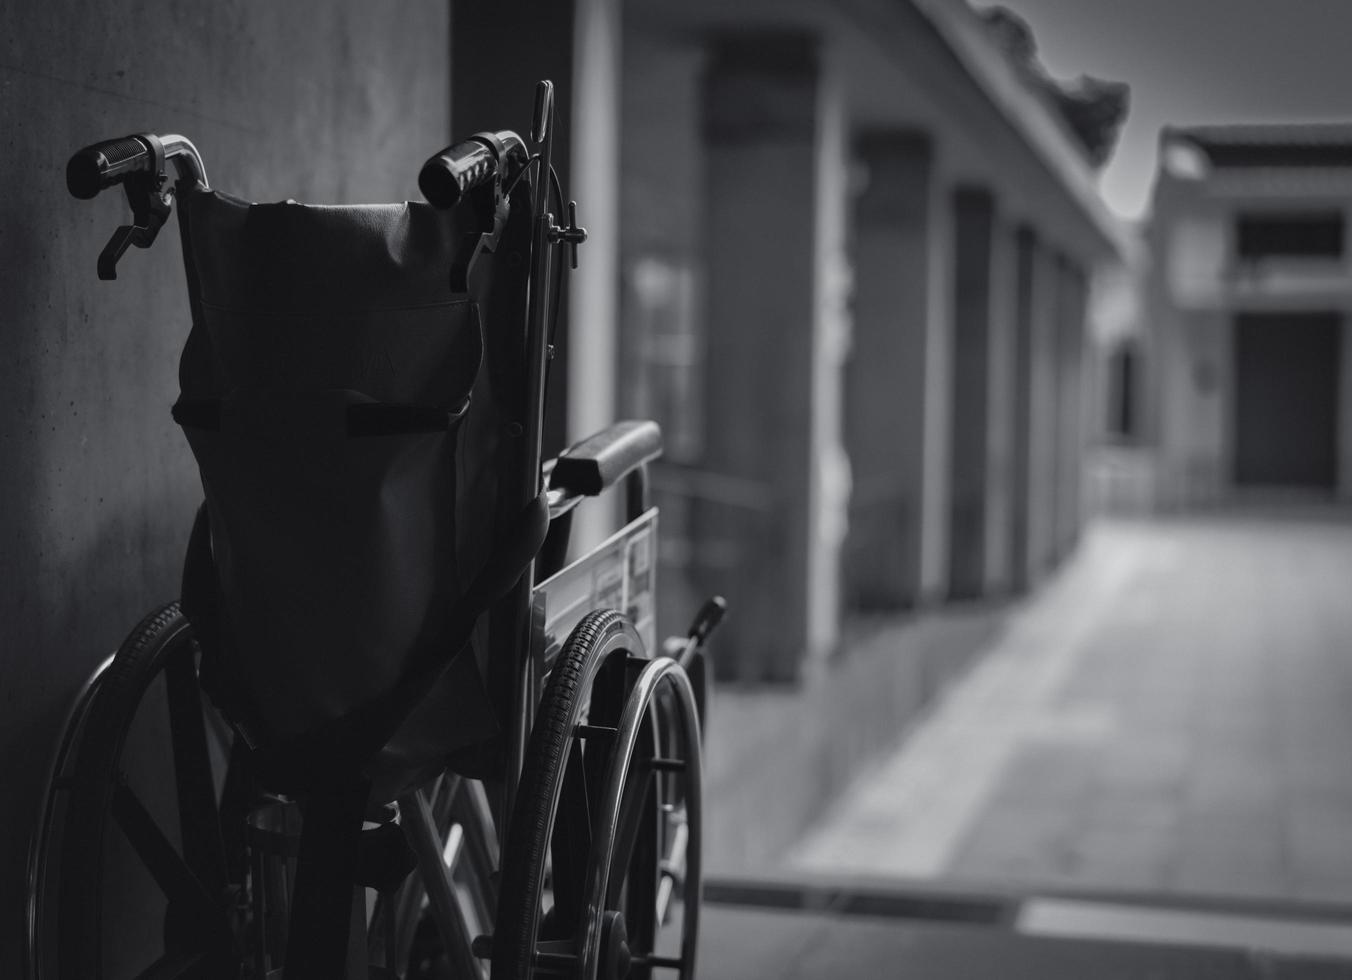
point(1063, 918)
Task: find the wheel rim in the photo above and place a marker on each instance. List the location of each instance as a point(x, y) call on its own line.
point(658, 795)
point(55, 787)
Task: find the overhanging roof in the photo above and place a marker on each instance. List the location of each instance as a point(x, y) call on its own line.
point(1311, 144)
point(1028, 111)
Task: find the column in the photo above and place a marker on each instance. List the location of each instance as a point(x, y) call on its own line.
point(1344, 488)
point(973, 221)
point(1000, 408)
point(1044, 408)
point(1070, 314)
point(1033, 463)
point(885, 375)
point(762, 125)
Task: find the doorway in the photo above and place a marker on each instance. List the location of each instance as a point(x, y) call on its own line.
point(1286, 399)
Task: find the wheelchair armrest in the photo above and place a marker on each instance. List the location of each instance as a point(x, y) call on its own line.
point(602, 460)
point(594, 465)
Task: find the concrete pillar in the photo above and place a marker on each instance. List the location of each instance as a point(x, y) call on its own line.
point(1044, 407)
point(1344, 489)
point(1034, 484)
point(1000, 414)
point(593, 288)
point(936, 458)
point(833, 288)
point(762, 127)
point(973, 223)
point(1072, 295)
point(885, 376)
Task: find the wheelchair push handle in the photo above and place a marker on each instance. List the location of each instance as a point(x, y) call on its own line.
point(100, 166)
point(106, 163)
point(455, 171)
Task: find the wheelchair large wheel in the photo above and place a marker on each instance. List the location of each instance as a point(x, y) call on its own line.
point(600, 875)
point(141, 849)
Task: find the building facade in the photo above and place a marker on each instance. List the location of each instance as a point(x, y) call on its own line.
point(857, 252)
point(1249, 367)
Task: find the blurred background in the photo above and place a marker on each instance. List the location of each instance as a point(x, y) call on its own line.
point(1000, 356)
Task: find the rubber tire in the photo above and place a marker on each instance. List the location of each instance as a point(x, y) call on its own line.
point(600, 636)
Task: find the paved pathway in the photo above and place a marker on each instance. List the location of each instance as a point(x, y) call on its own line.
point(1172, 713)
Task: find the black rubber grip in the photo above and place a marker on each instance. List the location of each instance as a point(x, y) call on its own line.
point(104, 164)
point(456, 171)
point(602, 460)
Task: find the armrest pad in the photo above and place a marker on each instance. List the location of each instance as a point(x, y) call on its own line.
point(602, 460)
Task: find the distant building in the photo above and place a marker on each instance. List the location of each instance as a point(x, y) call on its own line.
point(1247, 387)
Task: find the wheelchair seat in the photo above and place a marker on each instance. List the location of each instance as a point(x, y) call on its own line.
point(332, 396)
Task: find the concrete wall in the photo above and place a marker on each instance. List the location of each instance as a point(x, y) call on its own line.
point(319, 101)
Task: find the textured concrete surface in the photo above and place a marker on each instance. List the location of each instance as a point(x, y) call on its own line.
point(737, 943)
point(319, 101)
point(1171, 715)
point(777, 757)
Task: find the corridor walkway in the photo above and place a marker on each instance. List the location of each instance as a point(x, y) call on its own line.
point(1172, 713)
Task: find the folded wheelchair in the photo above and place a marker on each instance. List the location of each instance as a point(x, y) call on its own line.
point(390, 730)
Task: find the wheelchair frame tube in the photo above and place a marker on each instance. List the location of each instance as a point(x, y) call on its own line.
point(526, 674)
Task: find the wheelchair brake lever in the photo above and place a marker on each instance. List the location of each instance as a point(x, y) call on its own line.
point(150, 208)
point(118, 244)
point(707, 619)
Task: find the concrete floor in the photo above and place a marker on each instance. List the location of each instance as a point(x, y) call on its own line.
point(740, 943)
point(1171, 714)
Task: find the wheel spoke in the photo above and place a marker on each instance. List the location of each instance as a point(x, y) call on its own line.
point(200, 826)
point(421, 830)
point(472, 812)
point(175, 879)
point(673, 866)
point(237, 796)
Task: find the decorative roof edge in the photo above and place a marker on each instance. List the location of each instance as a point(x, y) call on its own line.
point(961, 29)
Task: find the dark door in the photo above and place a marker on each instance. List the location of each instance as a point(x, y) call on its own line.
point(1286, 399)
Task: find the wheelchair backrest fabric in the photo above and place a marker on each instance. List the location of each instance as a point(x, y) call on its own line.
point(338, 554)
